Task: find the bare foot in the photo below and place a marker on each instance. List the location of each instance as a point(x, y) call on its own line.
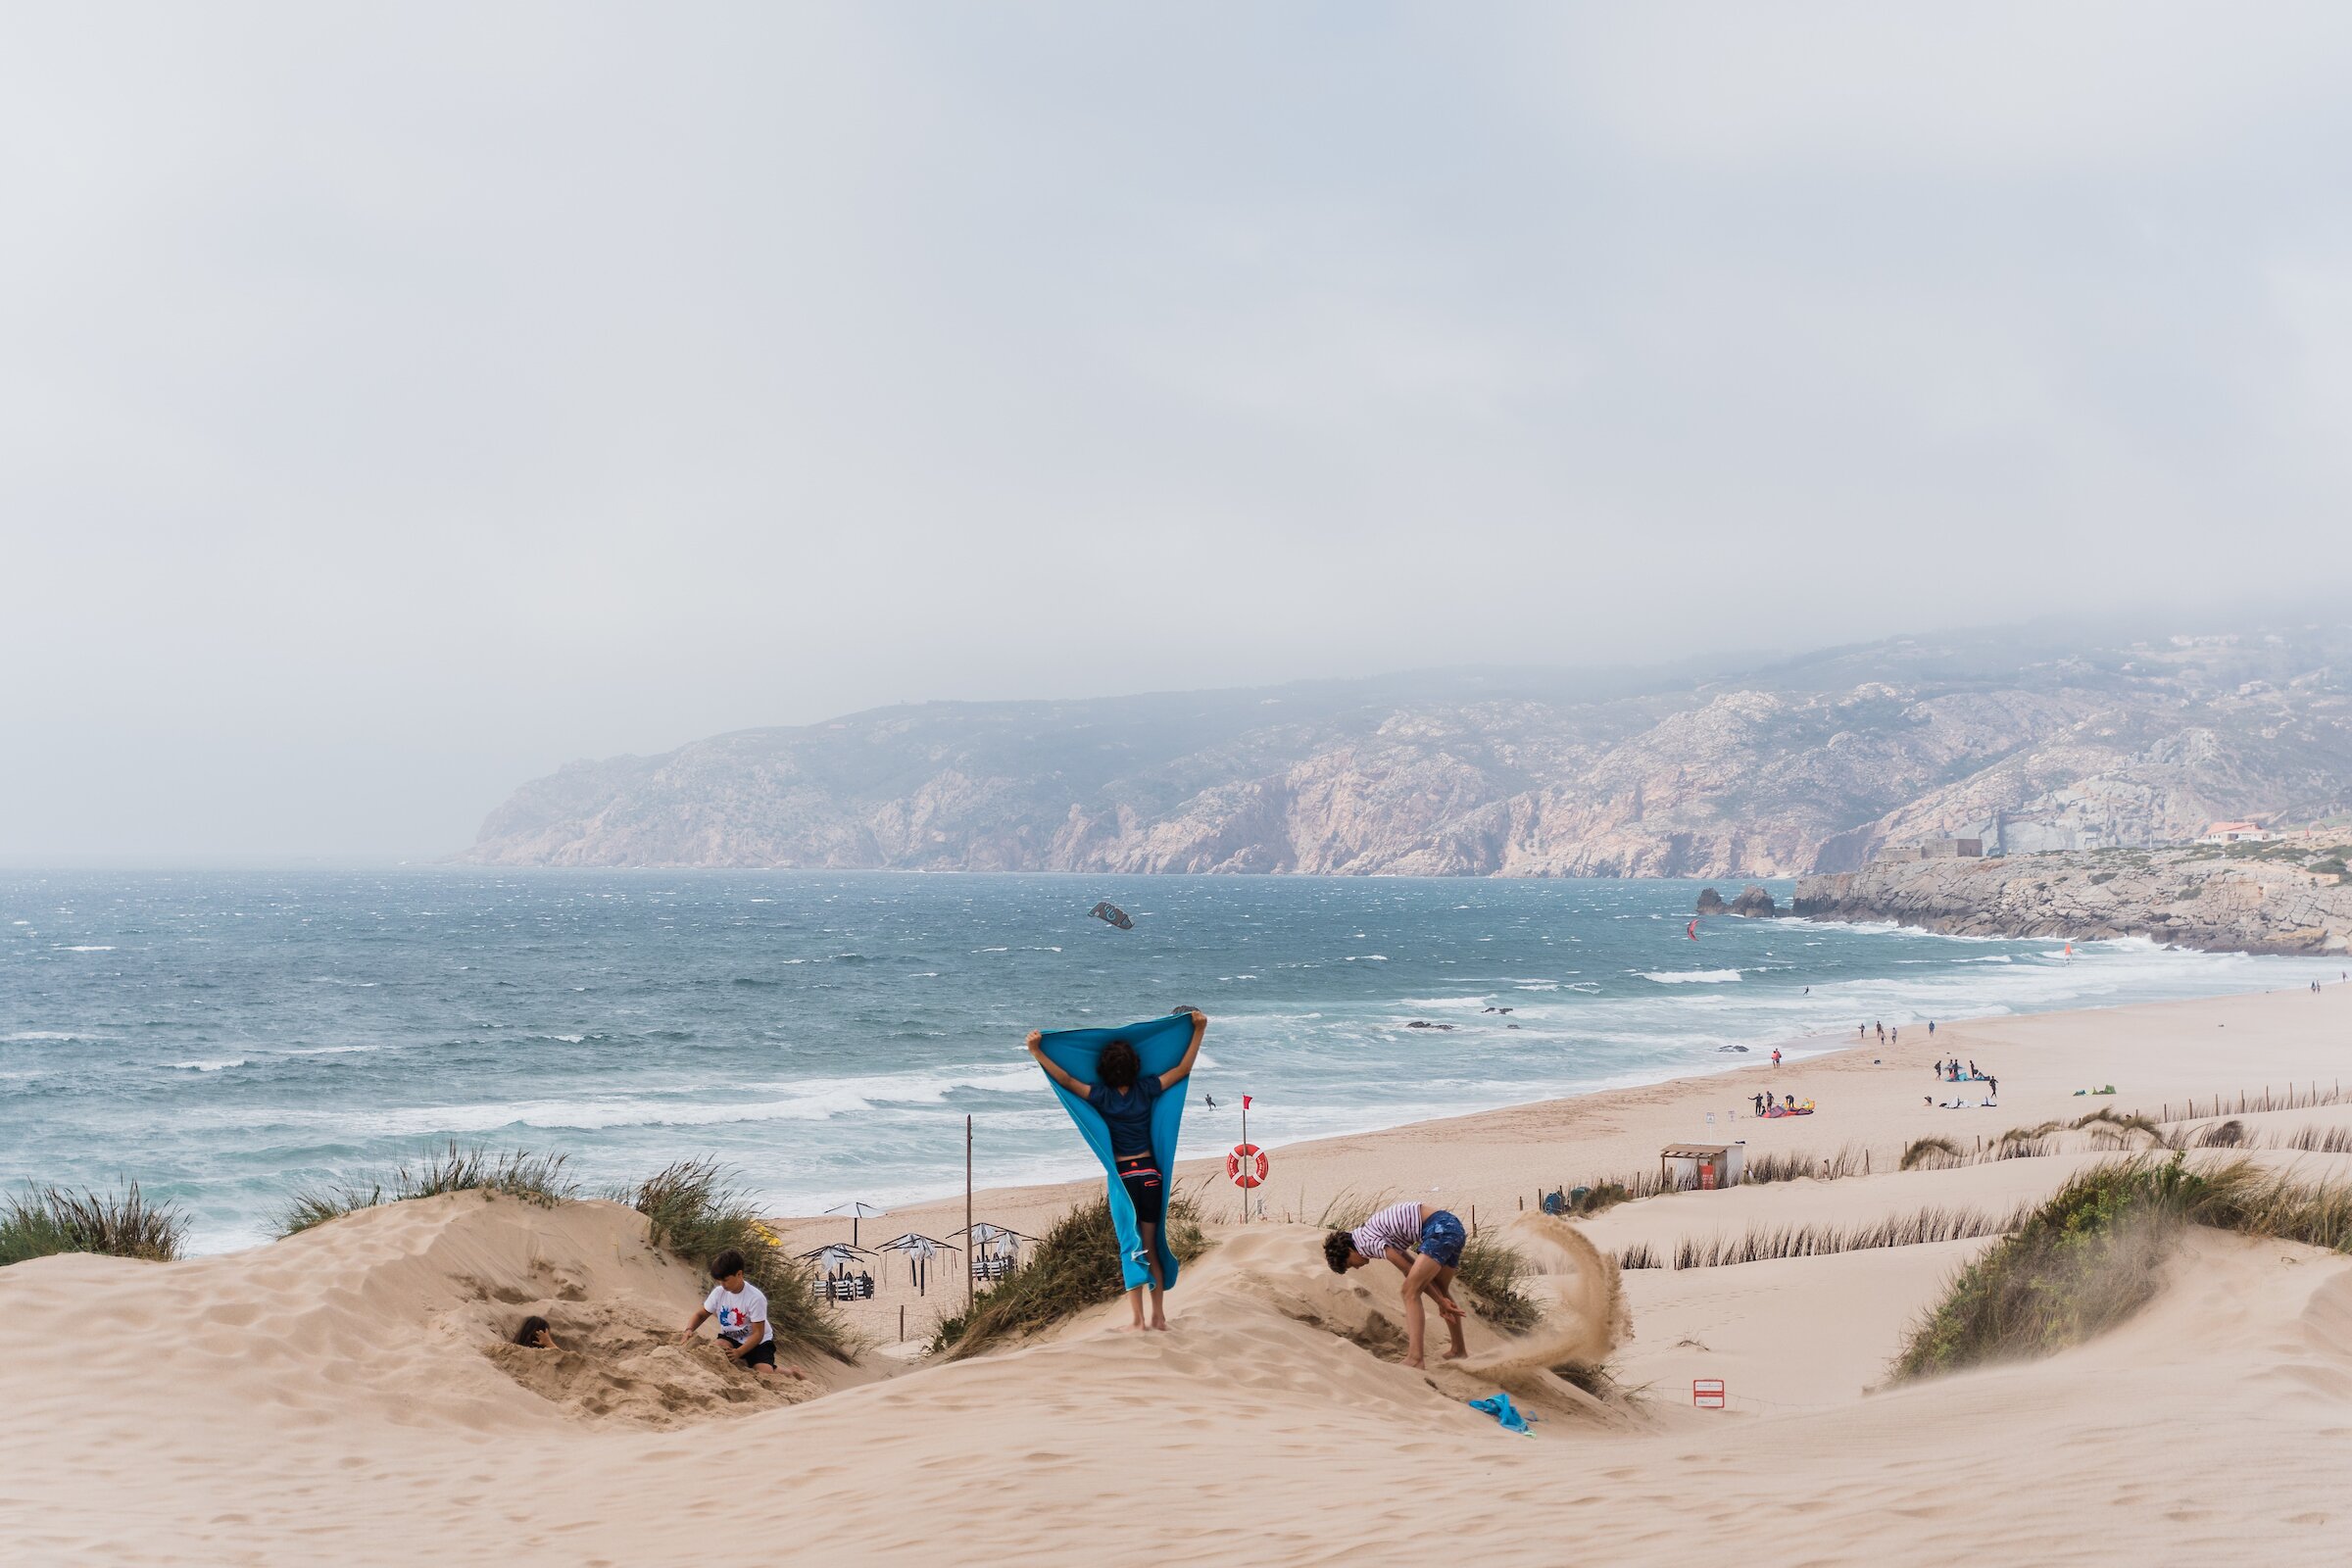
point(1456, 1356)
point(1413, 1361)
point(1128, 1327)
point(1160, 1325)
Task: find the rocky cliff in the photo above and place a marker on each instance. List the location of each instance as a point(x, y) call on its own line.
point(2286, 898)
point(1763, 770)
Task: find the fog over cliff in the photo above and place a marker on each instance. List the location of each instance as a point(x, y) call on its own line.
point(1801, 764)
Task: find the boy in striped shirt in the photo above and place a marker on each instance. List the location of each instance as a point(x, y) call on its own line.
point(1425, 1242)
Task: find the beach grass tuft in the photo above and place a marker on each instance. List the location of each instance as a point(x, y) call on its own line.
point(2092, 1254)
point(1349, 1208)
point(1760, 1243)
point(695, 1210)
point(538, 1179)
point(45, 1221)
point(1789, 1165)
point(1073, 1266)
point(1931, 1153)
point(1493, 1270)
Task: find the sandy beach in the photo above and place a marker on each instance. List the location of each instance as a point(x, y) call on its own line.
point(344, 1394)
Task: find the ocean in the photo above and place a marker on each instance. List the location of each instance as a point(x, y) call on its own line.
point(223, 1039)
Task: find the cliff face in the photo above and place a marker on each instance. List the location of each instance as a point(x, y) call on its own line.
point(2268, 900)
point(1768, 772)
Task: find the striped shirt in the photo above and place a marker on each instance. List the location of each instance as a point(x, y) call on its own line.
point(1398, 1226)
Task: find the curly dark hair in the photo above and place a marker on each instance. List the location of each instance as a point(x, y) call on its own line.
point(533, 1327)
point(1337, 1247)
point(1119, 1065)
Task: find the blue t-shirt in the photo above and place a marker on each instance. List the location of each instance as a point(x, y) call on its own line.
point(1128, 1111)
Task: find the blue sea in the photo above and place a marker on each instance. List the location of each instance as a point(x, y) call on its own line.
point(223, 1038)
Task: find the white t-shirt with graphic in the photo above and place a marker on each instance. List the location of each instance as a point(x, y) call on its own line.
point(737, 1311)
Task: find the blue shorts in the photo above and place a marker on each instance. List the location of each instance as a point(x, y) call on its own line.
point(1443, 1238)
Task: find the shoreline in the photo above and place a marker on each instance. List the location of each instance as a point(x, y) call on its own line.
point(1870, 1097)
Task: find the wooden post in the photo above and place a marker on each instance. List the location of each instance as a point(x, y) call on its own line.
point(971, 1253)
point(902, 1322)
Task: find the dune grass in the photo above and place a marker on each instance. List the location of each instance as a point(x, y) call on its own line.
point(1762, 1242)
point(1348, 1208)
point(2094, 1254)
point(1789, 1165)
point(1075, 1265)
point(534, 1178)
point(44, 1221)
point(1491, 1272)
point(695, 1210)
point(1931, 1153)
point(2321, 1140)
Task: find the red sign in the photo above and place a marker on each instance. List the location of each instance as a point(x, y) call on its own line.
point(1707, 1393)
point(1246, 1165)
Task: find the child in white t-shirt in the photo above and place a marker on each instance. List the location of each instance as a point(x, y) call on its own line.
point(741, 1308)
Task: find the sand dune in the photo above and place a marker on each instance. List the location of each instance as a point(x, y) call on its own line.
point(346, 1395)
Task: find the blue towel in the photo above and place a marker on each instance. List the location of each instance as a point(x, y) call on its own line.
point(1160, 1046)
point(1498, 1405)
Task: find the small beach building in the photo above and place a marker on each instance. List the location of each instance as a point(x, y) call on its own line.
point(2235, 833)
point(1706, 1166)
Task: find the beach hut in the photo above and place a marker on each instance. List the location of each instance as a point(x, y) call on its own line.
point(1706, 1166)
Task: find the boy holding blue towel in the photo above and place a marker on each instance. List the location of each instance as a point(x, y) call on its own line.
point(1124, 1098)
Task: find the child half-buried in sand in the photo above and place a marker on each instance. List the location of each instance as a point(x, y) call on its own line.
point(1124, 1099)
point(741, 1308)
point(536, 1335)
point(1425, 1242)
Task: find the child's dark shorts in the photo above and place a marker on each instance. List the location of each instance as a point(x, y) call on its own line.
point(1443, 1238)
point(761, 1355)
point(1145, 1189)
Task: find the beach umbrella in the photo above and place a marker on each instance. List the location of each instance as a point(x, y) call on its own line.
point(856, 1210)
point(835, 1252)
point(919, 1250)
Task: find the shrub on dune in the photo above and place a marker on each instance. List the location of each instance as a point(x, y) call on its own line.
point(1931, 1154)
point(694, 1209)
point(2094, 1253)
point(1075, 1265)
point(44, 1221)
point(534, 1178)
point(1491, 1272)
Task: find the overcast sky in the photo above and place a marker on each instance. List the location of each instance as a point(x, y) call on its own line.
point(399, 401)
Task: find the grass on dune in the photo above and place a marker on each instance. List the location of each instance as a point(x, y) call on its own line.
point(2094, 1254)
point(695, 1210)
point(1931, 1153)
point(44, 1221)
point(534, 1178)
point(1073, 1266)
point(1762, 1242)
point(1491, 1272)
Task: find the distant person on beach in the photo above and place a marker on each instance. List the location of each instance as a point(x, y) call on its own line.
point(1775, 1056)
point(1124, 1099)
point(741, 1308)
point(1425, 1244)
point(1930, 1028)
point(536, 1335)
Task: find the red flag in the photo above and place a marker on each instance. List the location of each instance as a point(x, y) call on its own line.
point(1245, 1101)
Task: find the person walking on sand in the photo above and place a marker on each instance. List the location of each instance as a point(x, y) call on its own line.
point(1124, 1099)
point(1425, 1244)
point(1775, 1056)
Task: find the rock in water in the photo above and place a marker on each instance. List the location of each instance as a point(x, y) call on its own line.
point(1710, 902)
point(1755, 900)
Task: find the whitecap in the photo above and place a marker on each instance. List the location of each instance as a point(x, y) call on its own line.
point(1692, 978)
point(84, 948)
point(218, 1066)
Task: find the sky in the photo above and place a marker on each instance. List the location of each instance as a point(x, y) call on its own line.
point(399, 402)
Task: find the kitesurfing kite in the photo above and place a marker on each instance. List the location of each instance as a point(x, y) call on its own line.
point(1692, 930)
point(1112, 914)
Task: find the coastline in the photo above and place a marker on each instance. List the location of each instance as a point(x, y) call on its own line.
point(1869, 1097)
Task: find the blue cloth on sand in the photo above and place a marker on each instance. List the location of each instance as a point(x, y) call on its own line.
point(1499, 1406)
point(1160, 1046)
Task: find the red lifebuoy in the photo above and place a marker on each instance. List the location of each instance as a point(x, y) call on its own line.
point(1246, 1165)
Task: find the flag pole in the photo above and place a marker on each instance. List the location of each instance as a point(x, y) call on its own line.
point(1245, 1144)
point(970, 1253)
